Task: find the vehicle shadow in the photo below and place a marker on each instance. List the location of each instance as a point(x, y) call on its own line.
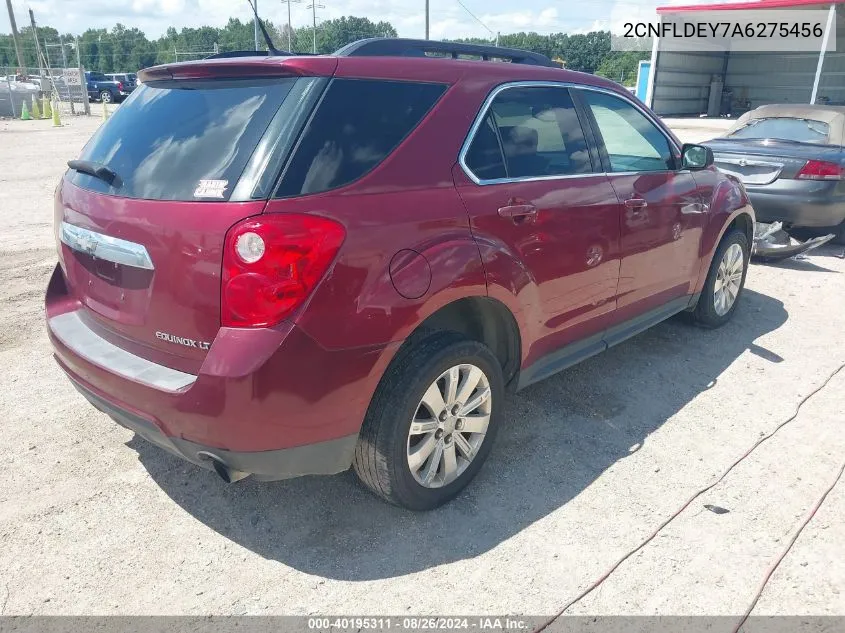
point(560, 435)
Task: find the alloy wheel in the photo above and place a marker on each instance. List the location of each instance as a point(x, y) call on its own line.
point(728, 279)
point(449, 426)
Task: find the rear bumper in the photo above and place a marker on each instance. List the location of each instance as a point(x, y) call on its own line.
point(267, 401)
point(817, 204)
point(322, 458)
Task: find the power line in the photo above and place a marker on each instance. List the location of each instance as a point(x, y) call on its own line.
point(474, 17)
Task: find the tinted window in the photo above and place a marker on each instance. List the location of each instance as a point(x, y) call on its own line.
point(356, 126)
point(484, 157)
point(632, 141)
point(168, 137)
point(788, 129)
point(96, 76)
point(540, 132)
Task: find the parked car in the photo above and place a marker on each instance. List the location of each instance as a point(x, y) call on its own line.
point(127, 82)
point(101, 88)
point(351, 259)
point(791, 159)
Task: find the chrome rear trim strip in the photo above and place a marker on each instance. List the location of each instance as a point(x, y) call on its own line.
point(80, 339)
point(112, 249)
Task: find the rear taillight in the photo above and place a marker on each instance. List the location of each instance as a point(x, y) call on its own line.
point(120, 86)
point(821, 170)
point(271, 264)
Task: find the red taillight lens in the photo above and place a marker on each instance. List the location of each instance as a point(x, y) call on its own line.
point(297, 251)
point(821, 170)
point(120, 86)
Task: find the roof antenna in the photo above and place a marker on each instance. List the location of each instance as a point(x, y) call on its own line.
point(270, 46)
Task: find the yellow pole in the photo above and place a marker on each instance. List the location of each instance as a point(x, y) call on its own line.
point(57, 122)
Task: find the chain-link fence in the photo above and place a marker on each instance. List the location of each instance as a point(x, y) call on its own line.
point(62, 88)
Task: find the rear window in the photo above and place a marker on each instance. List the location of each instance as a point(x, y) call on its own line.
point(183, 140)
point(358, 123)
point(786, 129)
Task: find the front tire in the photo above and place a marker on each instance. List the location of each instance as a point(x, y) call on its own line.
point(725, 281)
point(432, 421)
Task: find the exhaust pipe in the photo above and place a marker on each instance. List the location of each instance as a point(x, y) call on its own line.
point(229, 475)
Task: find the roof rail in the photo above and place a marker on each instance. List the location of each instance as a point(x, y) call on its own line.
point(400, 47)
point(239, 54)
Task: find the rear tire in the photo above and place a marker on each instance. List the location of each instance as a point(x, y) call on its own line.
point(840, 234)
point(106, 97)
point(405, 430)
point(725, 281)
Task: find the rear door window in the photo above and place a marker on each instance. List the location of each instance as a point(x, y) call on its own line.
point(358, 123)
point(186, 140)
point(541, 134)
point(786, 129)
point(529, 132)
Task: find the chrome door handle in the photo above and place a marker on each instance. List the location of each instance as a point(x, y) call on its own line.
point(519, 212)
point(636, 203)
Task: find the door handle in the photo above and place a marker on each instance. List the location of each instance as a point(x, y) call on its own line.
point(519, 212)
point(636, 203)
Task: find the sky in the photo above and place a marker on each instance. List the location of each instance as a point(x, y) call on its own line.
point(448, 18)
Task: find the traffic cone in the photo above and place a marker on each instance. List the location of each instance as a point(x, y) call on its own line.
point(36, 111)
point(105, 111)
point(25, 112)
point(46, 110)
point(57, 122)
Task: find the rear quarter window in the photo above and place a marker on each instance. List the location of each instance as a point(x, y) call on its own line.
point(358, 123)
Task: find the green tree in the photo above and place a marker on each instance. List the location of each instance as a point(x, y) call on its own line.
point(586, 51)
point(622, 66)
point(334, 34)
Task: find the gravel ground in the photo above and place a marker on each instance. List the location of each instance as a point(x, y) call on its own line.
point(95, 521)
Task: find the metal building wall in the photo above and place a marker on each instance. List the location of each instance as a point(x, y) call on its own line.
point(832, 84)
point(682, 79)
point(682, 82)
point(760, 78)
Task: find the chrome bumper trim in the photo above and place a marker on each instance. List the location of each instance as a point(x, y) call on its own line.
point(79, 338)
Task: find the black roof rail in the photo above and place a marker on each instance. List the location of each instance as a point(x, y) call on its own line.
point(400, 47)
point(239, 54)
point(256, 54)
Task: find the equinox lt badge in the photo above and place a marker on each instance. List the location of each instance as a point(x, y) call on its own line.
point(187, 342)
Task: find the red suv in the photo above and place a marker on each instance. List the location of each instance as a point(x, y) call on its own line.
point(285, 266)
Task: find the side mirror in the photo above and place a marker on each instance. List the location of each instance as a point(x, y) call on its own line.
point(696, 157)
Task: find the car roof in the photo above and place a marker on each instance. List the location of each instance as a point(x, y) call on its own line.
point(429, 69)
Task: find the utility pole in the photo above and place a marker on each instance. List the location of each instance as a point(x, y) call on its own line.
point(426, 19)
point(255, 20)
point(64, 57)
point(290, 27)
point(314, 6)
point(37, 46)
point(15, 36)
point(82, 82)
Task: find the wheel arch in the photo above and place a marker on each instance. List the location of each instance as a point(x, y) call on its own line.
point(482, 319)
point(741, 218)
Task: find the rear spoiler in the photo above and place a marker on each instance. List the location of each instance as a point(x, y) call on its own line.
point(241, 68)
